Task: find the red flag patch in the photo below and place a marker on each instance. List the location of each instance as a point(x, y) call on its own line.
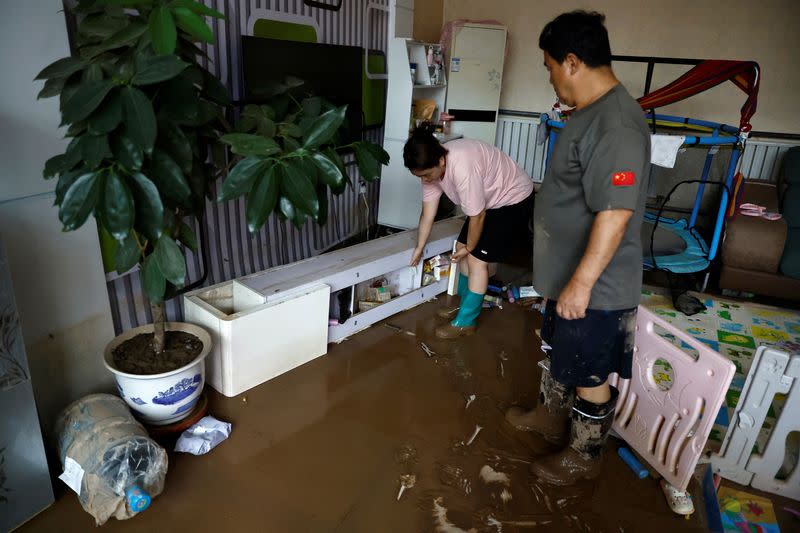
point(623, 179)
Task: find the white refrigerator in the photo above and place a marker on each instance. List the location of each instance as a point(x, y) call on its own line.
point(475, 77)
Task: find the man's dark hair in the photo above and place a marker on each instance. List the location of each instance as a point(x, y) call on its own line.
point(422, 150)
point(581, 33)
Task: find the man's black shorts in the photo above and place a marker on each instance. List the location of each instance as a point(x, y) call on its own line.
point(583, 352)
point(504, 229)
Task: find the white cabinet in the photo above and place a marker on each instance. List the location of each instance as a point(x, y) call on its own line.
point(400, 200)
point(475, 70)
point(270, 322)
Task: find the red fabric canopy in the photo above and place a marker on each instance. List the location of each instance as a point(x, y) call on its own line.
point(745, 74)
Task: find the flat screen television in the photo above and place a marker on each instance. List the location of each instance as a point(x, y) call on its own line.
point(330, 71)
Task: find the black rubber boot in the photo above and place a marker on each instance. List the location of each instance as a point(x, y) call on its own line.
point(583, 458)
point(551, 417)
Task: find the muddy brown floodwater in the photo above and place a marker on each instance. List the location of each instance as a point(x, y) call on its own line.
point(328, 446)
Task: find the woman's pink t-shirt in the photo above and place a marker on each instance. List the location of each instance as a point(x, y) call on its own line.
point(479, 176)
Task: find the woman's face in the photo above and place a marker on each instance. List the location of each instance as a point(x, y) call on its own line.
point(433, 174)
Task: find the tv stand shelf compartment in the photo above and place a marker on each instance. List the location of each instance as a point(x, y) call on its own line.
point(270, 322)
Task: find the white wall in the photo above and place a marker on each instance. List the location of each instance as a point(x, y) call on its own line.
point(58, 277)
point(765, 31)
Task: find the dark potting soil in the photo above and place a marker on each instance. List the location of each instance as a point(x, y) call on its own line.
point(136, 355)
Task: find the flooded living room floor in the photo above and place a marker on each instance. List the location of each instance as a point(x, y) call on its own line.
point(327, 446)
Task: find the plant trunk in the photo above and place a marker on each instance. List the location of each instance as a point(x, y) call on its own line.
point(158, 326)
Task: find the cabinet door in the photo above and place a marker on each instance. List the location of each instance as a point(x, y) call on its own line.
point(25, 487)
point(401, 191)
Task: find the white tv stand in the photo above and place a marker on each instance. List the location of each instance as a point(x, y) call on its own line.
point(270, 322)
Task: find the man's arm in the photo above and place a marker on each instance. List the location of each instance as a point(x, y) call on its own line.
point(426, 219)
point(474, 231)
point(607, 232)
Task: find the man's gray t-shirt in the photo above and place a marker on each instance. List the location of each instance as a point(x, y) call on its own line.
point(600, 161)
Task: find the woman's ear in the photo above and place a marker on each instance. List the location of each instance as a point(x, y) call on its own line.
point(442, 161)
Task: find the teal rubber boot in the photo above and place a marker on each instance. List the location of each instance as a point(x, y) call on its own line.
point(464, 323)
point(449, 311)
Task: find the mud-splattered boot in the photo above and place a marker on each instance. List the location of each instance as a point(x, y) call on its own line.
point(465, 322)
point(551, 417)
point(583, 458)
point(449, 311)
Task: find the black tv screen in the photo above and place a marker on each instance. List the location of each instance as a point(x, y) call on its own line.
point(330, 71)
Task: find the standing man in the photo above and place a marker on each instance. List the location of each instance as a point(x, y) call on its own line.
point(587, 248)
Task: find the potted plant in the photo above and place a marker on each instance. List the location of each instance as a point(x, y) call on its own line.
point(288, 150)
point(142, 115)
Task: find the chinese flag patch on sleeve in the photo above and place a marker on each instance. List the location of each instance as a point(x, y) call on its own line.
point(623, 179)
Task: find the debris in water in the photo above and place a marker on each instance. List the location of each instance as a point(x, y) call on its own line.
point(428, 351)
point(502, 370)
point(505, 496)
point(474, 434)
point(406, 482)
point(244, 399)
point(399, 329)
point(454, 476)
point(502, 355)
point(490, 475)
point(443, 525)
point(470, 399)
point(406, 455)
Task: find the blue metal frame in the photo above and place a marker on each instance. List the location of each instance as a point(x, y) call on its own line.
point(722, 135)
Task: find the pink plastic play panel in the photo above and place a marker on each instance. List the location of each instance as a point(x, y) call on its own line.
point(669, 428)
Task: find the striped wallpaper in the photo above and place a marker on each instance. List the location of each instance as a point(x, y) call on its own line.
point(232, 250)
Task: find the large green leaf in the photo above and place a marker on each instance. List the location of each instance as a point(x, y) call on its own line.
point(331, 154)
point(61, 163)
point(312, 106)
point(127, 254)
point(86, 99)
point(79, 201)
point(292, 130)
point(149, 208)
point(296, 186)
point(214, 90)
point(51, 87)
point(287, 209)
point(162, 30)
point(322, 129)
point(126, 152)
point(290, 144)
point(322, 196)
point(380, 155)
point(197, 7)
point(107, 116)
point(368, 166)
point(125, 36)
point(206, 112)
point(140, 120)
point(153, 281)
point(175, 142)
point(95, 148)
point(93, 72)
point(329, 173)
point(117, 207)
point(62, 68)
point(103, 25)
point(187, 237)
point(65, 181)
point(169, 178)
point(246, 144)
point(193, 24)
point(241, 178)
point(262, 198)
point(170, 260)
point(155, 69)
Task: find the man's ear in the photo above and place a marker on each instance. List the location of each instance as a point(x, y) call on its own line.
point(572, 63)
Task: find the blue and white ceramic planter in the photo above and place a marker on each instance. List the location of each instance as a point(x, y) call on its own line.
point(161, 399)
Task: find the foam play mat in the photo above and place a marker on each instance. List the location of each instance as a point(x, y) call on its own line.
point(735, 329)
